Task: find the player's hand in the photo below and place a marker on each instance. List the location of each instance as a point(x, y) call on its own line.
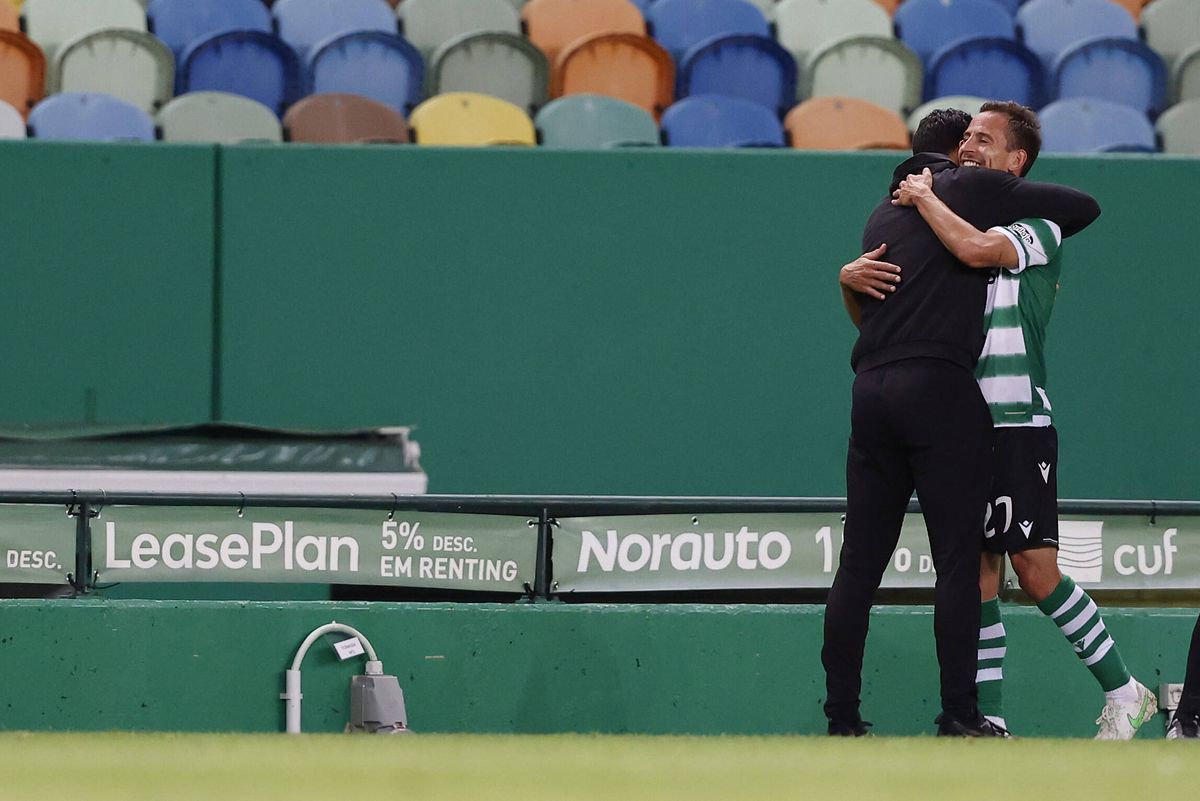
point(913, 188)
point(869, 276)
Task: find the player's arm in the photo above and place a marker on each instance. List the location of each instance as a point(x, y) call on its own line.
point(972, 247)
point(866, 275)
point(1011, 198)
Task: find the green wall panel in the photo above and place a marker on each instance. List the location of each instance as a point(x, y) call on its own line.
point(218, 666)
point(611, 322)
point(106, 313)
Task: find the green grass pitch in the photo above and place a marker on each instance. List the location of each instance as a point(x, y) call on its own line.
point(180, 767)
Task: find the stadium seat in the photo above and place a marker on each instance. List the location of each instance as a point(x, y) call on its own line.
point(1178, 127)
point(334, 118)
point(1171, 28)
point(217, 117)
point(552, 25)
point(430, 23)
point(1049, 27)
point(875, 68)
point(22, 71)
point(12, 124)
point(803, 26)
point(1121, 70)
point(627, 66)
point(679, 25)
point(967, 103)
point(1185, 78)
point(52, 22)
point(10, 19)
point(304, 23)
point(374, 64)
point(1090, 125)
point(95, 117)
point(988, 67)
point(594, 121)
point(131, 65)
point(253, 64)
point(467, 118)
point(181, 22)
point(754, 68)
point(844, 123)
point(503, 65)
point(929, 25)
point(1134, 7)
point(719, 121)
point(1011, 6)
point(889, 6)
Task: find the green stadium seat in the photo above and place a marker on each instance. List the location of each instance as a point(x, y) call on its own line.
point(428, 24)
point(495, 63)
point(131, 65)
point(1178, 127)
point(595, 121)
point(51, 23)
point(967, 103)
point(218, 117)
point(1171, 28)
point(878, 69)
point(803, 26)
point(1185, 77)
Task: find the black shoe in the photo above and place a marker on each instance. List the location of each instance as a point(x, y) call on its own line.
point(1184, 728)
point(849, 728)
point(978, 726)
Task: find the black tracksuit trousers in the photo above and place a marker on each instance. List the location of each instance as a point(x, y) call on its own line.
point(915, 424)
point(1189, 703)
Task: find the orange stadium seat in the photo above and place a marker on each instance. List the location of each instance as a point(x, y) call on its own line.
point(334, 117)
point(22, 72)
point(889, 5)
point(622, 65)
point(10, 18)
point(552, 25)
point(844, 123)
point(1134, 7)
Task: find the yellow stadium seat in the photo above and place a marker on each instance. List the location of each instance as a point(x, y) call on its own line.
point(467, 118)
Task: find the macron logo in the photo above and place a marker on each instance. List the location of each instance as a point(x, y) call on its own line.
point(1045, 468)
point(1026, 528)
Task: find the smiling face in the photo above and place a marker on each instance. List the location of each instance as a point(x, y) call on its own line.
point(986, 144)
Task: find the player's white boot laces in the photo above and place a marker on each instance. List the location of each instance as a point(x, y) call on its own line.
point(1120, 720)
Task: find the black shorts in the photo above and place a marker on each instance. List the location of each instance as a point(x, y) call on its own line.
point(1022, 511)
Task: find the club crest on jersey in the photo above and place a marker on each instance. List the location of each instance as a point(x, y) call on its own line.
point(1045, 469)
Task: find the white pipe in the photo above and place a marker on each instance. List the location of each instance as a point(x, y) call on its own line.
point(291, 683)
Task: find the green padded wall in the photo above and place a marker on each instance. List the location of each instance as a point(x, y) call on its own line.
point(656, 322)
point(218, 666)
point(106, 314)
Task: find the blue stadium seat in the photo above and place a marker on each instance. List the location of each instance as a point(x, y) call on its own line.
point(719, 121)
point(1011, 6)
point(91, 116)
point(1121, 70)
point(381, 66)
point(304, 23)
point(1048, 27)
point(1089, 125)
point(677, 25)
point(927, 26)
point(751, 67)
point(253, 64)
point(180, 22)
point(987, 67)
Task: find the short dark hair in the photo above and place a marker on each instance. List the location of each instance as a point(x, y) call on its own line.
point(941, 131)
point(1024, 128)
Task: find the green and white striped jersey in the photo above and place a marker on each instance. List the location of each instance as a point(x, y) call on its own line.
point(1012, 367)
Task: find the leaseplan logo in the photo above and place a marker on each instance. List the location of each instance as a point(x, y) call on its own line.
point(1081, 549)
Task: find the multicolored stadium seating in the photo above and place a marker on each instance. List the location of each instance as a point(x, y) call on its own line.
point(212, 70)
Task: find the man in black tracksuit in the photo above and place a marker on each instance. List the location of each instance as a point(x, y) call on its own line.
point(918, 421)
